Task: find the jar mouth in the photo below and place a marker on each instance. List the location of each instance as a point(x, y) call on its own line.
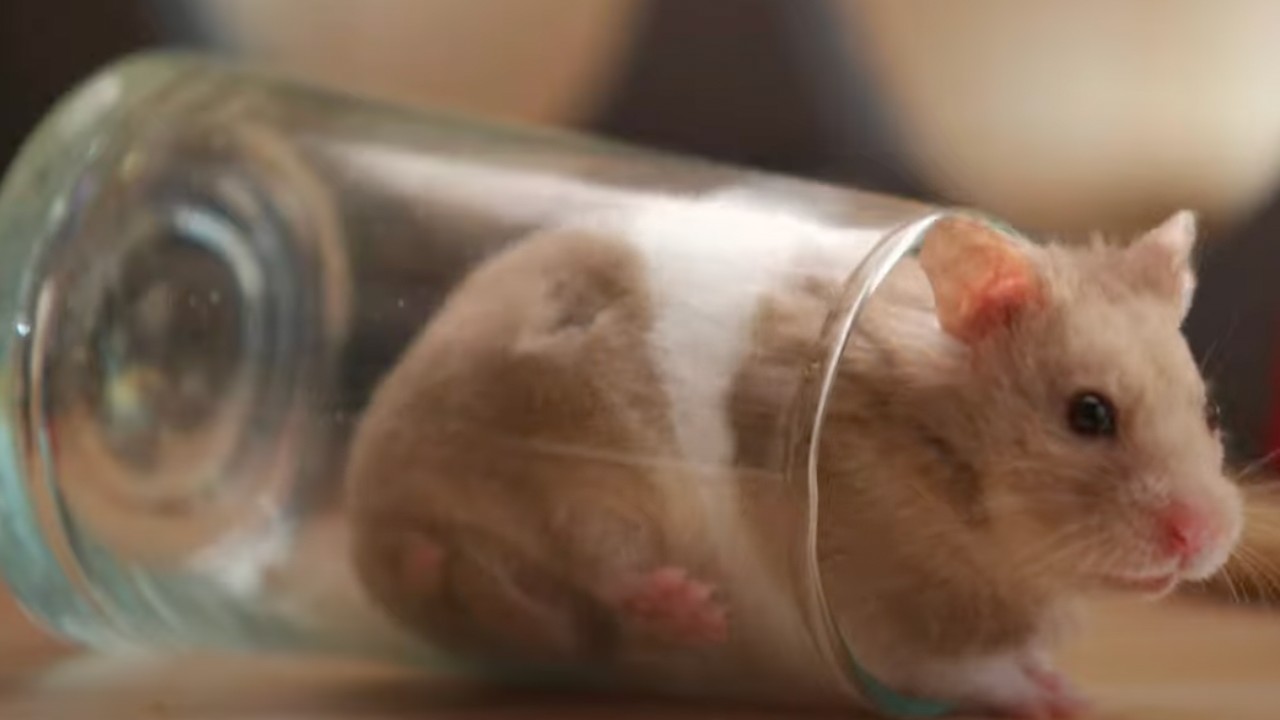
point(840, 327)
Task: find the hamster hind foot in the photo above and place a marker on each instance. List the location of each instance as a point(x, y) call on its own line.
point(421, 564)
point(677, 608)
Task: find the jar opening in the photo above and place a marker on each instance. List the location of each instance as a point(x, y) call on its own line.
point(841, 325)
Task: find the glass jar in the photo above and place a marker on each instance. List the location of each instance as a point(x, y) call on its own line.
point(287, 371)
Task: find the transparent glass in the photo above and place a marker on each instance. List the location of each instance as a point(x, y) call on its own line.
point(288, 371)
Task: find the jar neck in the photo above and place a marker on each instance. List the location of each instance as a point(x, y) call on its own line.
point(860, 286)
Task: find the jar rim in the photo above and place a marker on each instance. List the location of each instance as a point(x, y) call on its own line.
point(860, 285)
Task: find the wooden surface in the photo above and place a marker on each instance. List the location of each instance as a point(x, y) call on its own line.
point(1176, 661)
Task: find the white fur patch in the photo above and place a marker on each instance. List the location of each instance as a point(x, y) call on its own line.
point(710, 263)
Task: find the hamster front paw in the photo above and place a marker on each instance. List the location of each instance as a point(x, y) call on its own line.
point(1022, 685)
point(1055, 698)
point(675, 607)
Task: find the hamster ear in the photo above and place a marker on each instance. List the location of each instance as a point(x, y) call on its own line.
point(982, 278)
point(1163, 258)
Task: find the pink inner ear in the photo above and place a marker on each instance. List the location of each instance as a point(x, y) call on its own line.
point(1003, 286)
point(980, 279)
point(995, 302)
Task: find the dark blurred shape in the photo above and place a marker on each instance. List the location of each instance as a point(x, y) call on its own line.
point(755, 82)
point(712, 79)
point(1234, 327)
point(46, 46)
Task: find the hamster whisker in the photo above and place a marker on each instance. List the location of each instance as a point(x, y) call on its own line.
point(552, 448)
point(1070, 541)
point(1256, 465)
point(1259, 520)
point(1232, 588)
point(1104, 559)
point(1060, 539)
point(1260, 569)
point(1206, 362)
point(1256, 579)
point(1264, 493)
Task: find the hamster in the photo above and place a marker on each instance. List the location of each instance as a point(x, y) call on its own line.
point(583, 461)
point(1058, 438)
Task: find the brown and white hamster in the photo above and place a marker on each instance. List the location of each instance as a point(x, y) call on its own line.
point(582, 458)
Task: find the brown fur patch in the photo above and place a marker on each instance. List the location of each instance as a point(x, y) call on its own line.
point(902, 516)
point(533, 474)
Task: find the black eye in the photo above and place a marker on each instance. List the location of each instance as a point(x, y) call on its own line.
point(1212, 415)
point(1092, 415)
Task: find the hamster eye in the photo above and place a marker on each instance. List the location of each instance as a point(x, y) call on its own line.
point(1212, 415)
point(1091, 414)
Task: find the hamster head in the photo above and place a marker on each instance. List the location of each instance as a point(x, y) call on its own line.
point(1087, 413)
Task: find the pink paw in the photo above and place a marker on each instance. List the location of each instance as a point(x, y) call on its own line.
point(676, 607)
point(1056, 699)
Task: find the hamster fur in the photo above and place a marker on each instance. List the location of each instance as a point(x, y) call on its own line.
point(580, 459)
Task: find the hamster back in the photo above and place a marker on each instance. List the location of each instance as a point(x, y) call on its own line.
point(522, 421)
point(582, 460)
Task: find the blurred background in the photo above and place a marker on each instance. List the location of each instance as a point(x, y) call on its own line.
point(1062, 117)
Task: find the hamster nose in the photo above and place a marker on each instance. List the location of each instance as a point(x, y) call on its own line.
point(1184, 531)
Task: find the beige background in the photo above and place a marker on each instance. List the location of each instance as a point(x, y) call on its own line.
point(1050, 114)
point(1057, 114)
point(541, 61)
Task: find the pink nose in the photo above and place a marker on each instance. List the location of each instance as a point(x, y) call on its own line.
point(1186, 532)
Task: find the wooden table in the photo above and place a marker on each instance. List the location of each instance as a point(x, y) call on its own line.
point(1175, 661)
